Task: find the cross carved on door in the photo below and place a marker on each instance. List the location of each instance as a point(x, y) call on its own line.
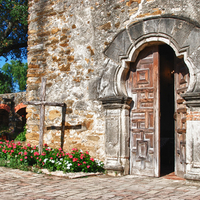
point(42, 104)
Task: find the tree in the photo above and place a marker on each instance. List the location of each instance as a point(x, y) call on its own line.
point(17, 71)
point(6, 85)
point(13, 28)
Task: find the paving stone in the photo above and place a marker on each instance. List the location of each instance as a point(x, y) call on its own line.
point(16, 184)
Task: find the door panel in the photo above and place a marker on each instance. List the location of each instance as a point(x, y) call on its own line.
point(143, 87)
point(181, 77)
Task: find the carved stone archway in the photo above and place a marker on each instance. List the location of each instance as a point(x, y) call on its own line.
point(183, 36)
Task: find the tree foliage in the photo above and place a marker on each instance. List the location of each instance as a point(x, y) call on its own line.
point(16, 71)
point(6, 85)
point(13, 28)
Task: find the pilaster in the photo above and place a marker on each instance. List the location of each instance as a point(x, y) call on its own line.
point(192, 136)
point(117, 134)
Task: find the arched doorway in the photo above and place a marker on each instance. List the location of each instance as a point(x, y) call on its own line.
point(155, 82)
point(125, 48)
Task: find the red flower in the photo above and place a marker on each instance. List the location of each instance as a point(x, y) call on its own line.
point(92, 159)
point(88, 166)
point(75, 159)
point(21, 159)
point(51, 158)
point(86, 152)
point(60, 149)
point(84, 162)
point(70, 156)
point(28, 145)
point(36, 154)
point(45, 145)
point(25, 157)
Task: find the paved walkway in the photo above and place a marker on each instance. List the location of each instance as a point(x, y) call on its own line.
point(16, 184)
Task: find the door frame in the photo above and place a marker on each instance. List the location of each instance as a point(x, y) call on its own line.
point(114, 96)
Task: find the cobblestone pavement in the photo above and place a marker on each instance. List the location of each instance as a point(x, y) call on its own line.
point(16, 184)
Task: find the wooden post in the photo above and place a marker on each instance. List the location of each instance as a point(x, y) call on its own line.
point(42, 104)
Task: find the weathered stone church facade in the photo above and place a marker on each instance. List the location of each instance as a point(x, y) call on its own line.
point(129, 73)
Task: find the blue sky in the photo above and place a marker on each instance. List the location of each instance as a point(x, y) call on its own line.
point(3, 61)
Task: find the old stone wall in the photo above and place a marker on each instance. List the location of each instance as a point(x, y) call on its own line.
point(17, 98)
point(65, 44)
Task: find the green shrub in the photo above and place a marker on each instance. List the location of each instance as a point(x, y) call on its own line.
point(15, 155)
point(22, 135)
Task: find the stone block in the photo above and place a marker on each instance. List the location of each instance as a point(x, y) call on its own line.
point(136, 30)
point(119, 46)
point(53, 114)
point(181, 31)
point(105, 27)
point(166, 25)
point(93, 138)
point(192, 39)
point(151, 26)
point(32, 136)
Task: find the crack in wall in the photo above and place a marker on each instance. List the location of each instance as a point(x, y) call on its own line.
point(134, 16)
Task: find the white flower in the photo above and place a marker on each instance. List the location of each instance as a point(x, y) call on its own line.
point(53, 161)
point(45, 160)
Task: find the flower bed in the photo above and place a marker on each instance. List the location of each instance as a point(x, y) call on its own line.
point(27, 158)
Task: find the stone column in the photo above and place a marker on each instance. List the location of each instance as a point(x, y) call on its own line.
point(193, 136)
point(117, 134)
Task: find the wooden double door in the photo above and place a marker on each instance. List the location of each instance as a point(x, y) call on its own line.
point(155, 82)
